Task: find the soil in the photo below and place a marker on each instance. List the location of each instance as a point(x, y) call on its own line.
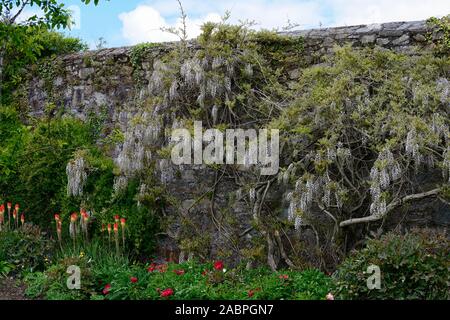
point(11, 289)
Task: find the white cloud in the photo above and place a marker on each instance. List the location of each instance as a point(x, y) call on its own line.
point(144, 22)
point(351, 12)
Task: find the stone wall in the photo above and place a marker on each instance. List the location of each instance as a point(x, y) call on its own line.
point(107, 81)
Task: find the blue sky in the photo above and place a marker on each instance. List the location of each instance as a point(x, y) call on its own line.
point(127, 22)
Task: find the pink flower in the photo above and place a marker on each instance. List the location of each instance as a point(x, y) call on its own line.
point(106, 289)
point(133, 279)
point(330, 296)
point(284, 276)
point(166, 293)
point(218, 265)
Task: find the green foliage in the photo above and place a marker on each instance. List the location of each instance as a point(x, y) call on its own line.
point(413, 266)
point(192, 280)
point(5, 268)
point(33, 165)
point(440, 37)
point(25, 249)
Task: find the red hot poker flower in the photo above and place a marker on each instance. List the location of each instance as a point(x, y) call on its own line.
point(9, 204)
point(2, 209)
point(22, 218)
point(123, 222)
point(73, 217)
point(15, 214)
point(109, 227)
point(116, 218)
point(17, 207)
point(218, 265)
point(167, 293)
point(116, 227)
point(57, 217)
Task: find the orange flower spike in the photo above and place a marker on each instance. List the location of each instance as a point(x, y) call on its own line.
point(2, 209)
point(116, 218)
point(109, 227)
point(57, 217)
point(123, 222)
point(73, 217)
point(22, 219)
point(9, 204)
point(116, 227)
point(15, 214)
point(103, 227)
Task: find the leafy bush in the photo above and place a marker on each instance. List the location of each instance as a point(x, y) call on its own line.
point(413, 266)
point(201, 281)
point(26, 249)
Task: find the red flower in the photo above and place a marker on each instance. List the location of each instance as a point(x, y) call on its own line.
point(116, 218)
point(218, 265)
point(106, 289)
point(116, 227)
point(284, 276)
point(123, 221)
point(57, 217)
point(251, 293)
point(133, 279)
point(152, 267)
point(166, 293)
point(17, 207)
point(205, 272)
point(179, 272)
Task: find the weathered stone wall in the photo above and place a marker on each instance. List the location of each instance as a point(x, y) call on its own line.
point(108, 81)
point(105, 77)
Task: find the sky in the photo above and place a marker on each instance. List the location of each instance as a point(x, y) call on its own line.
point(129, 22)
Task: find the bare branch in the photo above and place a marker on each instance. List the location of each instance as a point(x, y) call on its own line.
point(390, 207)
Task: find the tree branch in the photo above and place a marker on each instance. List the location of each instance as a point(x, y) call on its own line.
point(390, 207)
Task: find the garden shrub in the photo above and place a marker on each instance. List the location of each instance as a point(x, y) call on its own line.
point(25, 249)
point(52, 284)
point(413, 266)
